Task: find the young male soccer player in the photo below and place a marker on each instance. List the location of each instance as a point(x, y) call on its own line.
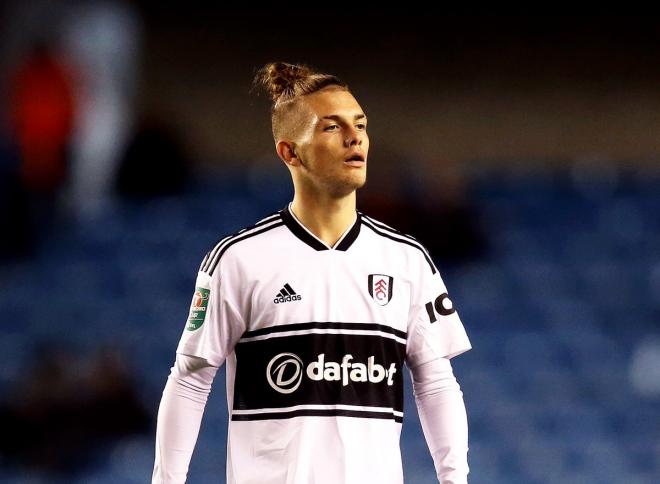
point(315, 308)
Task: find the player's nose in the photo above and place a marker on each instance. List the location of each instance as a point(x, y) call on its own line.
point(354, 138)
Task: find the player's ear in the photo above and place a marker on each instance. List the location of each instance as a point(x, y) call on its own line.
point(287, 151)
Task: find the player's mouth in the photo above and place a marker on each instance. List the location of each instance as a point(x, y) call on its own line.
point(356, 160)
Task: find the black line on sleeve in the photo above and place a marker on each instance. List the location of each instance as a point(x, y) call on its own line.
point(236, 239)
point(403, 241)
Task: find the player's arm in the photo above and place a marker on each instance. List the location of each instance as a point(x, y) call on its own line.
point(212, 330)
point(443, 418)
point(179, 417)
point(435, 335)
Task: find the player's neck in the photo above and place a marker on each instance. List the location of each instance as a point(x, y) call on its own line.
point(327, 219)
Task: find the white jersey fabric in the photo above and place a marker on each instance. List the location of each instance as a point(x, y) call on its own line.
point(315, 338)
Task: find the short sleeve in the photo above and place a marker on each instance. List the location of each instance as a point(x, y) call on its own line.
point(214, 324)
point(434, 328)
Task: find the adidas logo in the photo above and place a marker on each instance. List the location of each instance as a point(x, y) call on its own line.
point(286, 294)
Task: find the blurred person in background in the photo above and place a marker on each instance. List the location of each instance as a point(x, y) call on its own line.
point(315, 309)
point(155, 162)
point(41, 120)
point(42, 114)
point(71, 110)
point(102, 39)
point(15, 224)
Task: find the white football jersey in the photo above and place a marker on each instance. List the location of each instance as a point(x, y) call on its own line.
point(315, 338)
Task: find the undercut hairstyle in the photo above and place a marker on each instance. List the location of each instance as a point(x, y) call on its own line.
point(285, 84)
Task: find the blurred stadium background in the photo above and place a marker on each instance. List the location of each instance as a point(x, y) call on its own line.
point(524, 151)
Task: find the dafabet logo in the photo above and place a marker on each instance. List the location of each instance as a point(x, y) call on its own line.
point(285, 371)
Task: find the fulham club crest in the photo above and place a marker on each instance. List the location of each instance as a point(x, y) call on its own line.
point(380, 288)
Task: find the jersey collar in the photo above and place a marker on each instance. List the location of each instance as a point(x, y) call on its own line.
point(300, 231)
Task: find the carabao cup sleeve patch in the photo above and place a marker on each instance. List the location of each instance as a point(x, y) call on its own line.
point(199, 304)
point(198, 307)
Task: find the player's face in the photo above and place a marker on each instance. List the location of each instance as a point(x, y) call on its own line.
point(336, 131)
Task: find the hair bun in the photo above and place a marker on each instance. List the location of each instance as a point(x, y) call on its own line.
point(284, 83)
point(281, 78)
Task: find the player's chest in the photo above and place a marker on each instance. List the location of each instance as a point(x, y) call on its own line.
point(330, 289)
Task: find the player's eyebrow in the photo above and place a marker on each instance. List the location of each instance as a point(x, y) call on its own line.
point(337, 117)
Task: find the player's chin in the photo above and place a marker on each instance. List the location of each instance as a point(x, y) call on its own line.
point(358, 182)
point(345, 185)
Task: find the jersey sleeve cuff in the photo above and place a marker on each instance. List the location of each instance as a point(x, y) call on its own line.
point(215, 359)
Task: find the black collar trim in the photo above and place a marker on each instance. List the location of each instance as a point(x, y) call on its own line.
point(299, 231)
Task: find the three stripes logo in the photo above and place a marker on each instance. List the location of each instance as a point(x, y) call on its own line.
point(286, 294)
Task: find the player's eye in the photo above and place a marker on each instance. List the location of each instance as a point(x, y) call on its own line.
point(364, 126)
point(331, 126)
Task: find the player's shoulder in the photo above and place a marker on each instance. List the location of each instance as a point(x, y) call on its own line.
point(405, 241)
point(226, 246)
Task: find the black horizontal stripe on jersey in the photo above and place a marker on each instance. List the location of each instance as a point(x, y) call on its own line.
point(417, 245)
point(325, 325)
point(317, 413)
point(224, 244)
point(298, 370)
